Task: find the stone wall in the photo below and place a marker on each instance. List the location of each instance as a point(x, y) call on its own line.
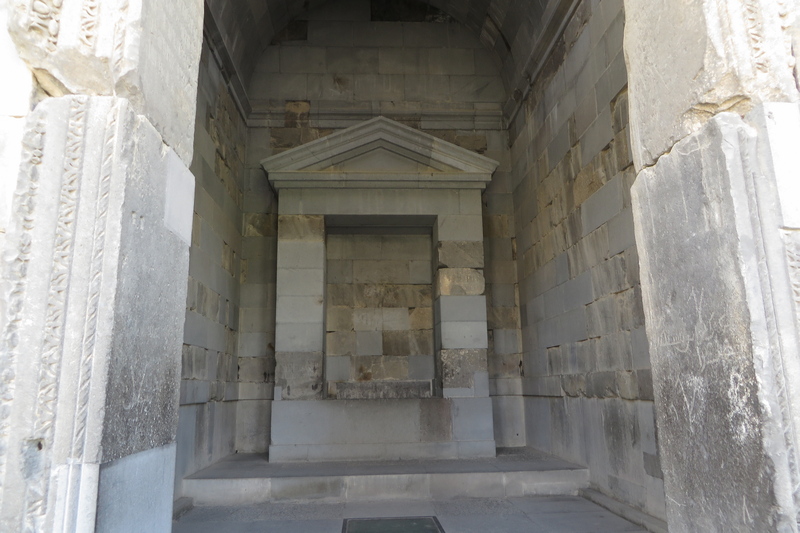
point(379, 340)
point(209, 388)
point(587, 380)
point(336, 66)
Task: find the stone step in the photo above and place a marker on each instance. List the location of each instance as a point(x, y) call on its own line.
point(249, 478)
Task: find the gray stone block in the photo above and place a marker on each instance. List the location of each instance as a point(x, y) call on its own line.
point(348, 60)
point(396, 319)
point(292, 254)
point(425, 88)
point(403, 61)
point(339, 271)
point(620, 232)
point(460, 308)
point(602, 206)
point(378, 33)
point(299, 310)
point(506, 341)
point(302, 59)
point(298, 337)
point(369, 343)
point(460, 228)
point(464, 335)
point(337, 368)
point(598, 135)
point(472, 419)
point(378, 87)
point(420, 272)
point(421, 367)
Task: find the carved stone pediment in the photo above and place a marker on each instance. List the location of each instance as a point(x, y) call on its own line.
point(379, 153)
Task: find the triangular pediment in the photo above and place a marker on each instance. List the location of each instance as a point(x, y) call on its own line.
point(379, 153)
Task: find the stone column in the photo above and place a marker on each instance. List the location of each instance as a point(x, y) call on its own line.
point(713, 109)
point(461, 337)
point(300, 304)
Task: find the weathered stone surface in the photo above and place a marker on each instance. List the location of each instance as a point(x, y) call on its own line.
point(706, 76)
point(421, 317)
point(460, 254)
point(146, 52)
point(383, 390)
point(87, 301)
point(304, 228)
point(299, 375)
point(459, 281)
point(712, 368)
point(458, 367)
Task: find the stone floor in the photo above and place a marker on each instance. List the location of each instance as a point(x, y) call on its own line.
point(531, 514)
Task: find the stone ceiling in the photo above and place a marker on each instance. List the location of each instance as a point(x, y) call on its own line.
point(519, 32)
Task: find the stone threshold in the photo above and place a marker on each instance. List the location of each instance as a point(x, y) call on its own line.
point(243, 479)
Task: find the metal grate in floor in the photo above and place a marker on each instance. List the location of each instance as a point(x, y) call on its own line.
point(418, 524)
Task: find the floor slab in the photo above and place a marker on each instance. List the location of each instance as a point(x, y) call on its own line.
point(531, 514)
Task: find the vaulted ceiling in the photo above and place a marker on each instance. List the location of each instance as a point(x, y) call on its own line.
point(518, 32)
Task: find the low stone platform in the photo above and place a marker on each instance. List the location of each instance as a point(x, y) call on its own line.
point(248, 478)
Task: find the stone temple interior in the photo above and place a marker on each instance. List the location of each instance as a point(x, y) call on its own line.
point(555, 242)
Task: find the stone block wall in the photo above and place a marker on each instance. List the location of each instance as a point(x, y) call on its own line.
point(379, 316)
point(209, 389)
point(587, 385)
point(338, 65)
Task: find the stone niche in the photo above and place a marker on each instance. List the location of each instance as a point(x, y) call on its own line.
point(381, 331)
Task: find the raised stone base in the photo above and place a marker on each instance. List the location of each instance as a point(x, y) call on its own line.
point(341, 430)
point(243, 479)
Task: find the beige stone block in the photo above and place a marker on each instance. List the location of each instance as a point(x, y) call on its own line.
point(340, 343)
point(381, 367)
point(380, 272)
point(367, 319)
point(307, 228)
point(339, 318)
point(367, 295)
point(341, 294)
point(396, 343)
point(460, 254)
point(421, 317)
point(459, 281)
point(420, 342)
point(259, 225)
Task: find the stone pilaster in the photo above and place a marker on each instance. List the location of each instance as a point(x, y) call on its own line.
point(94, 287)
point(300, 319)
